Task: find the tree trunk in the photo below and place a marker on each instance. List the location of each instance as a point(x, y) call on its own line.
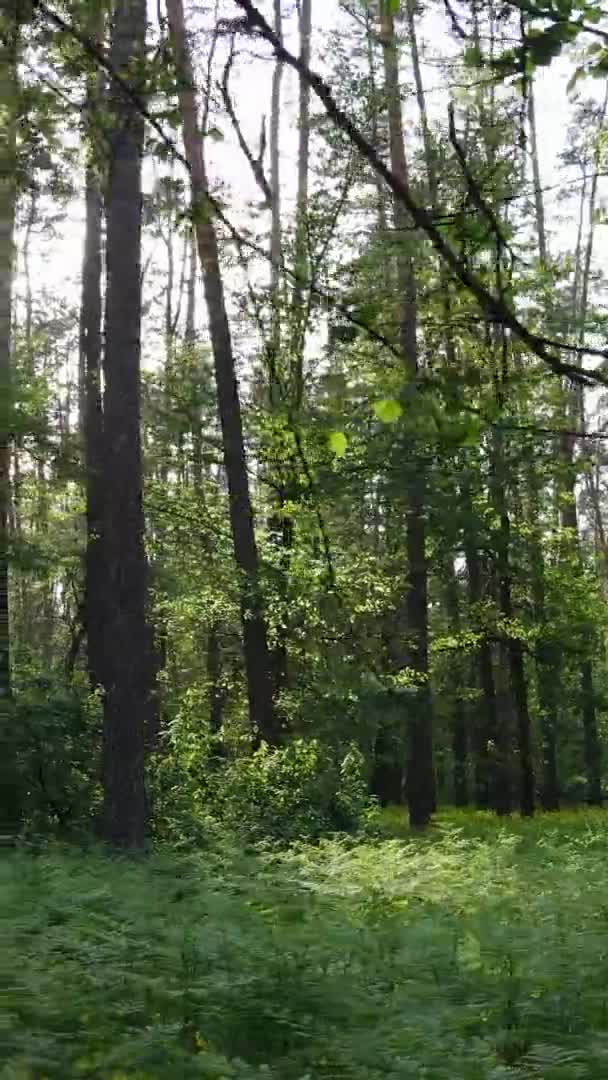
point(513, 647)
point(91, 416)
point(539, 206)
point(275, 210)
point(10, 796)
point(459, 715)
point(9, 25)
point(420, 780)
point(575, 416)
point(216, 691)
point(255, 636)
point(128, 667)
point(301, 254)
point(490, 783)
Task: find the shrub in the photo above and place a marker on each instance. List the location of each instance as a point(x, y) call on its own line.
point(55, 746)
point(300, 791)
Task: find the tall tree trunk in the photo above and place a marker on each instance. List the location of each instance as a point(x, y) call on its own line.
point(279, 524)
point(128, 667)
point(215, 691)
point(275, 209)
point(575, 417)
point(10, 799)
point(420, 780)
point(539, 206)
point(459, 715)
point(255, 636)
point(513, 648)
point(490, 781)
point(9, 95)
point(548, 664)
point(91, 416)
point(301, 252)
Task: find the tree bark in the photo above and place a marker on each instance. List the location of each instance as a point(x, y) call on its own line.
point(255, 635)
point(490, 783)
point(10, 793)
point(420, 777)
point(301, 253)
point(9, 96)
point(459, 714)
point(91, 415)
point(575, 416)
point(513, 647)
point(128, 662)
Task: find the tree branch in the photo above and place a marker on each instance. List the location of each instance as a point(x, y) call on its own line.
point(494, 306)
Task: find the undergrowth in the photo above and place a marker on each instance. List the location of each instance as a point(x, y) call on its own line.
point(478, 951)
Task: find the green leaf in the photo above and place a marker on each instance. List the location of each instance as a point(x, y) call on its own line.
point(338, 443)
point(473, 56)
point(393, 6)
point(388, 410)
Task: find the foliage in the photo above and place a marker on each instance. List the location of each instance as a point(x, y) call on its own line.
point(475, 952)
point(55, 738)
point(301, 791)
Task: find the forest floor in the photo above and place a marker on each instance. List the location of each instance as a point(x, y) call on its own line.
point(476, 952)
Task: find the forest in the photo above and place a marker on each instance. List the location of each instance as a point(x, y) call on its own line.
point(303, 539)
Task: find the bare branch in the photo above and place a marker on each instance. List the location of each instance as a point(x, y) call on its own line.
point(254, 163)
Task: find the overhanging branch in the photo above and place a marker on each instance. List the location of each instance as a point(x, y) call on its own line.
point(495, 307)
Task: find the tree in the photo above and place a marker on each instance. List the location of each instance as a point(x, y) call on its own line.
point(255, 633)
point(420, 784)
point(90, 394)
point(10, 105)
point(128, 672)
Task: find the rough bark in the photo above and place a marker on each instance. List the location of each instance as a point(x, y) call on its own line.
point(10, 795)
point(91, 416)
point(420, 778)
point(9, 91)
point(255, 636)
point(128, 667)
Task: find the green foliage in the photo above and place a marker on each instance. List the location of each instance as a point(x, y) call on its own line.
point(476, 952)
point(55, 743)
point(301, 791)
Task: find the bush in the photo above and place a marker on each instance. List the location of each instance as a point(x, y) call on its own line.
point(300, 791)
point(55, 749)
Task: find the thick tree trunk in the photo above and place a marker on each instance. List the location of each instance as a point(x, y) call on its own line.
point(128, 662)
point(91, 416)
point(9, 27)
point(255, 637)
point(420, 781)
point(10, 796)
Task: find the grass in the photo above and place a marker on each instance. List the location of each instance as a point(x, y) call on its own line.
point(476, 952)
